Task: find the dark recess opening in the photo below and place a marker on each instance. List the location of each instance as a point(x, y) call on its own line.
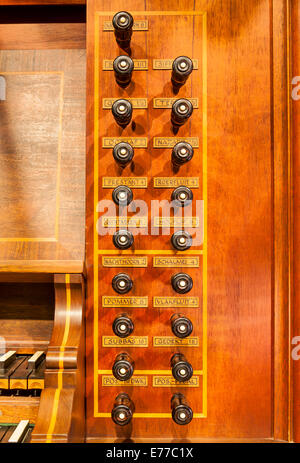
point(42, 14)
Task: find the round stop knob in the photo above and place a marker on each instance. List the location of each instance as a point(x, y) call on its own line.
point(122, 112)
point(123, 153)
point(181, 326)
point(122, 195)
point(182, 152)
point(123, 326)
point(123, 409)
point(181, 69)
point(182, 283)
point(123, 23)
point(182, 196)
point(123, 67)
point(182, 110)
point(123, 367)
point(123, 239)
point(181, 411)
point(122, 283)
point(182, 370)
point(181, 240)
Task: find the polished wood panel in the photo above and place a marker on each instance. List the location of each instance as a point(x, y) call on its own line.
point(42, 36)
point(248, 217)
point(296, 215)
point(42, 187)
point(42, 27)
point(61, 412)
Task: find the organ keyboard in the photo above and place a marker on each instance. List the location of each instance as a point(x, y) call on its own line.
point(22, 374)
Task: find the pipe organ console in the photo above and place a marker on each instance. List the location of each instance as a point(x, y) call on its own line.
point(146, 245)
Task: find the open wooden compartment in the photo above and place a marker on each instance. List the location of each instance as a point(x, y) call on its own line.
point(26, 316)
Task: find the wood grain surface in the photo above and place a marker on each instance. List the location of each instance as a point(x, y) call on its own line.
point(247, 220)
point(42, 156)
point(14, 409)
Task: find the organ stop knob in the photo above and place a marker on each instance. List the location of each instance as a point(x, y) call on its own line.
point(123, 67)
point(182, 110)
point(123, 367)
point(182, 196)
point(181, 240)
point(182, 370)
point(122, 283)
point(181, 326)
point(123, 409)
point(182, 283)
point(182, 152)
point(122, 112)
point(123, 153)
point(181, 69)
point(181, 411)
point(123, 23)
point(123, 326)
point(122, 195)
point(123, 239)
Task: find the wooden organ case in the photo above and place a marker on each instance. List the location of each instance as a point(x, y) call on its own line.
point(238, 218)
point(170, 313)
point(42, 151)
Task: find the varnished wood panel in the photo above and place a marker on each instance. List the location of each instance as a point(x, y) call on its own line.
point(15, 409)
point(247, 235)
point(42, 26)
point(42, 152)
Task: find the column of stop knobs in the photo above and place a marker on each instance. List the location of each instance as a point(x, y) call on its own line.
point(123, 153)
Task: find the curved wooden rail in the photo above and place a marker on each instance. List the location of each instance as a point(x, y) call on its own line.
point(61, 413)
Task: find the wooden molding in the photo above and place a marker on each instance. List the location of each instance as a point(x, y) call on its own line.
point(61, 412)
point(296, 215)
point(281, 211)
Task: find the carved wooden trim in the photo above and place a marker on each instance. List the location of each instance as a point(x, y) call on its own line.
point(61, 412)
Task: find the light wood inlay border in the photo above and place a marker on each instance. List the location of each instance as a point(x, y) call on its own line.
point(96, 252)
